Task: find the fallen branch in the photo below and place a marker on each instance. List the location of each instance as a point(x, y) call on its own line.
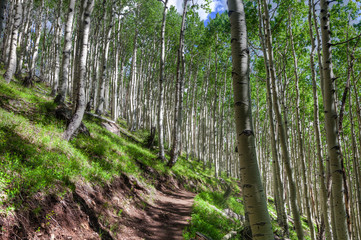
point(118, 128)
point(229, 214)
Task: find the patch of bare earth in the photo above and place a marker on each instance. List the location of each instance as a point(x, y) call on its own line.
point(165, 219)
point(123, 210)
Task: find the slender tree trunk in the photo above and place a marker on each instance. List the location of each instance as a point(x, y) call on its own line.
point(2, 14)
point(64, 70)
point(6, 43)
point(161, 90)
point(131, 85)
point(332, 127)
point(254, 197)
point(179, 94)
point(83, 50)
point(322, 180)
point(36, 42)
point(355, 166)
point(11, 65)
point(57, 49)
point(281, 129)
point(26, 35)
point(278, 187)
point(103, 82)
point(299, 135)
point(358, 114)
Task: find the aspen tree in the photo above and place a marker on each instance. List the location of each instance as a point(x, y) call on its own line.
point(3, 4)
point(281, 129)
point(11, 64)
point(24, 41)
point(299, 133)
point(76, 119)
point(57, 49)
point(161, 87)
point(331, 126)
point(357, 163)
point(117, 73)
point(278, 188)
point(316, 125)
point(107, 31)
point(6, 42)
point(39, 27)
point(179, 94)
point(254, 197)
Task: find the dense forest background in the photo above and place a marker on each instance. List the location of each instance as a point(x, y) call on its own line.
point(144, 63)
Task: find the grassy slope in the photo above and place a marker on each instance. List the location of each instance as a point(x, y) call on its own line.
point(34, 158)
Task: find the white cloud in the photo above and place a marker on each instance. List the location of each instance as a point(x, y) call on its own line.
point(177, 4)
point(216, 6)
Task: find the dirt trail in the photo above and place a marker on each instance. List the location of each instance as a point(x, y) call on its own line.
point(165, 219)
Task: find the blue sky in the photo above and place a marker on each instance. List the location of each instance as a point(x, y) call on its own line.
point(216, 6)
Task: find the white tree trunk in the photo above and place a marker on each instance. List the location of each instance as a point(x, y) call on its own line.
point(11, 65)
point(161, 88)
point(57, 49)
point(101, 95)
point(83, 50)
point(331, 126)
point(253, 193)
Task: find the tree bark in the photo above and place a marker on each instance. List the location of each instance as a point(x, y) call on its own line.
point(161, 88)
point(2, 14)
point(25, 35)
point(179, 94)
point(299, 135)
point(322, 180)
point(278, 186)
point(108, 25)
point(37, 41)
point(281, 128)
point(57, 49)
point(331, 126)
point(254, 197)
point(83, 50)
point(11, 65)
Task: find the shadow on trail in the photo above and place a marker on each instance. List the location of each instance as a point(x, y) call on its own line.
point(167, 217)
point(93, 220)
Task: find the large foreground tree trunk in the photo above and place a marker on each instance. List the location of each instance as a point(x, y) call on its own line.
point(254, 196)
point(83, 50)
point(331, 126)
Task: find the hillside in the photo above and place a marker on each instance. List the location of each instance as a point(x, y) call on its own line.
point(105, 185)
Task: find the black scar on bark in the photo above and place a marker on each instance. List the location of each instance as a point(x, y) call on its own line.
point(247, 133)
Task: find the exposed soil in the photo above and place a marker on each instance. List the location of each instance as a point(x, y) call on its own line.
point(165, 219)
point(123, 210)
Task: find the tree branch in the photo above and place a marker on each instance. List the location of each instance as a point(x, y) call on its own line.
point(339, 43)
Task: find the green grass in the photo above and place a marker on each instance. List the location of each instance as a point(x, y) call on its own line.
point(35, 159)
point(208, 221)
